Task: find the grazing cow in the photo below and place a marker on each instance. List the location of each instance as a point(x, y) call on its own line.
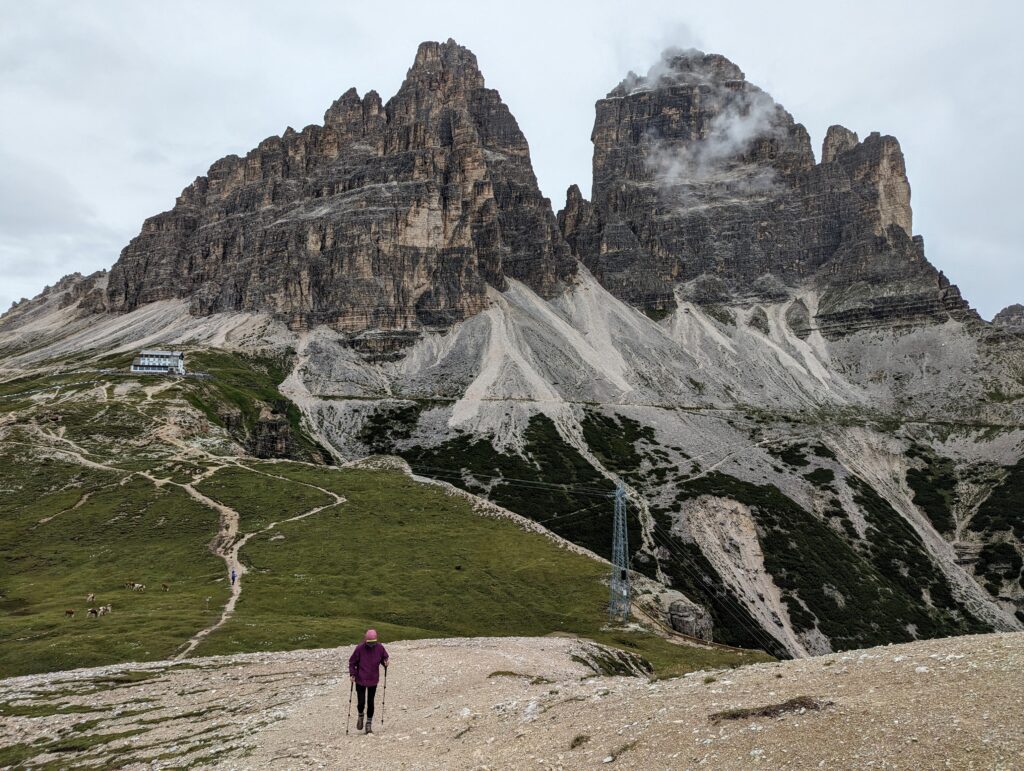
point(165, 587)
point(130, 585)
point(90, 597)
point(139, 588)
point(69, 613)
point(104, 609)
point(94, 612)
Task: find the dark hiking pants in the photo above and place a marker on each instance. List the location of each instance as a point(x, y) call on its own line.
point(361, 694)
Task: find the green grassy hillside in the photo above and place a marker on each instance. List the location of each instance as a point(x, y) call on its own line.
point(104, 479)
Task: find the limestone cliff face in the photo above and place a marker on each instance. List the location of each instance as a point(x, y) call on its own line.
point(1012, 317)
point(392, 217)
point(697, 172)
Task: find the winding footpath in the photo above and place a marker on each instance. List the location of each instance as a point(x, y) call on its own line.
point(227, 546)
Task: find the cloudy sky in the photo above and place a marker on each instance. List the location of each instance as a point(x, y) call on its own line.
point(111, 108)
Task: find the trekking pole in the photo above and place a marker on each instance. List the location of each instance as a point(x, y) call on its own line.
point(384, 698)
point(351, 687)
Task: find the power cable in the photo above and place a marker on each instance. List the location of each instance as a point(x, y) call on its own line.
point(731, 606)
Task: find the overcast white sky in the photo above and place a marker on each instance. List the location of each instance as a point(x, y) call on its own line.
point(111, 108)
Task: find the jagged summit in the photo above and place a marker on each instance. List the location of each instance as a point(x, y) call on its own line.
point(697, 173)
point(349, 111)
point(445, 63)
point(392, 217)
point(1011, 316)
point(398, 215)
point(838, 139)
point(679, 67)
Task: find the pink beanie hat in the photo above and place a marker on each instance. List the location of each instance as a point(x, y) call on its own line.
point(371, 635)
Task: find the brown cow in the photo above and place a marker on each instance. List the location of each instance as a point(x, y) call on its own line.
point(69, 613)
point(165, 587)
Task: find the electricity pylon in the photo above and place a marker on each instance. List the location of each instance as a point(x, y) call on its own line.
point(618, 605)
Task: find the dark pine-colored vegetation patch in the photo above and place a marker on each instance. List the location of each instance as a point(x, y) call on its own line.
point(999, 562)
point(857, 594)
point(898, 553)
point(934, 488)
point(821, 477)
point(550, 482)
point(791, 455)
point(1003, 510)
point(822, 451)
point(613, 439)
point(390, 423)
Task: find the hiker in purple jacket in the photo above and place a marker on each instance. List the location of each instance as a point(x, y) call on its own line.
point(364, 669)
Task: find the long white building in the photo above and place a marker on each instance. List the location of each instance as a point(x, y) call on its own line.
point(159, 362)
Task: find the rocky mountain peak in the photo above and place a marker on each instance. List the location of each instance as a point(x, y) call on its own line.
point(1012, 316)
point(391, 217)
point(398, 216)
point(445, 64)
point(838, 139)
point(349, 110)
point(699, 173)
point(679, 67)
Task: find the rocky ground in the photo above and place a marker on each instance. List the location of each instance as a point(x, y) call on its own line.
point(532, 703)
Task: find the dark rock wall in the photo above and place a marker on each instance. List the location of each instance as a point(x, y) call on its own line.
point(394, 217)
point(697, 172)
point(390, 216)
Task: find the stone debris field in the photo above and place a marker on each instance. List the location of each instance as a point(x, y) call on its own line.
point(531, 703)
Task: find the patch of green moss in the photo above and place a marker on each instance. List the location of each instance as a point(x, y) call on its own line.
point(43, 709)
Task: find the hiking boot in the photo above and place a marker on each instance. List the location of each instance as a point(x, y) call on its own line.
point(359, 722)
point(369, 725)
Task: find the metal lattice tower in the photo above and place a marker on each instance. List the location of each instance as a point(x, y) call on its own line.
point(618, 605)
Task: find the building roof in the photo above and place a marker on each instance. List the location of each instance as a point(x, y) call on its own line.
point(177, 354)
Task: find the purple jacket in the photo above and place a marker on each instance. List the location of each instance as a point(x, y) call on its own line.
point(365, 661)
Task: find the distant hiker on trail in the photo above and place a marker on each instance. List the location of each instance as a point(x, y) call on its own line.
point(233, 576)
point(364, 670)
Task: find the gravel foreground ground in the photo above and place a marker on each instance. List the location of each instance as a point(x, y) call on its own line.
point(530, 703)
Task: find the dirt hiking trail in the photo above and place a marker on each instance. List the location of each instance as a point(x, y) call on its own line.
point(518, 703)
